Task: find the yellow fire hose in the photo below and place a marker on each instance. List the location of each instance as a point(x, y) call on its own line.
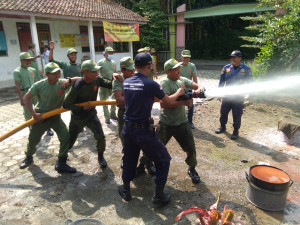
point(53, 113)
point(56, 112)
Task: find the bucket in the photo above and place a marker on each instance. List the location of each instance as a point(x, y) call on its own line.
point(267, 187)
point(84, 221)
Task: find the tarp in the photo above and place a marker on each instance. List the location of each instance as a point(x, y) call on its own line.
point(115, 32)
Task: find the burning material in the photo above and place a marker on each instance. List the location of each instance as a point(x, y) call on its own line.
point(211, 217)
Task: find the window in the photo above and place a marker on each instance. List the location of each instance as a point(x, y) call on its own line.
point(3, 44)
point(99, 41)
point(121, 47)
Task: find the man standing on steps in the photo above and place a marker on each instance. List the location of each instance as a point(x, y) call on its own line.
point(138, 132)
point(235, 73)
point(108, 67)
point(50, 93)
point(71, 68)
point(189, 71)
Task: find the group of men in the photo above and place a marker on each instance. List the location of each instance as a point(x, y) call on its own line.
point(134, 93)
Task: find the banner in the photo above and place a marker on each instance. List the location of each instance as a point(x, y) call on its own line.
point(67, 40)
point(82, 40)
point(116, 32)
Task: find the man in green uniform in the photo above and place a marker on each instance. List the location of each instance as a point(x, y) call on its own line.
point(127, 69)
point(108, 67)
point(153, 69)
point(84, 90)
point(189, 71)
point(50, 93)
point(25, 76)
point(33, 61)
point(173, 120)
point(71, 68)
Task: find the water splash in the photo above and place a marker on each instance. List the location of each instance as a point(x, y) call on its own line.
point(286, 86)
point(110, 98)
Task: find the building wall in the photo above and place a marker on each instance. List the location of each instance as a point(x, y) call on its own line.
point(11, 61)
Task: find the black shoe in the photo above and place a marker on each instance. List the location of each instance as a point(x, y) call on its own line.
point(194, 175)
point(160, 197)
point(102, 162)
point(107, 121)
point(192, 126)
point(220, 130)
point(140, 169)
point(235, 135)
point(151, 168)
point(50, 132)
point(61, 166)
point(26, 162)
point(114, 118)
point(124, 191)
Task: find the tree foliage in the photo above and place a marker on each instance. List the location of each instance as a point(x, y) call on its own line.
point(279, 35)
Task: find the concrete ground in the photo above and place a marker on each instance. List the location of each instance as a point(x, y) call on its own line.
point(39, 195)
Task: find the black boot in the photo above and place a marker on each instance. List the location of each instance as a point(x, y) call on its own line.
point(194, 175)
point(235, 134)
point(124, 191)
point(151, 168)
point(102, 162)
point(140, 169)
point(221, 129)
point(160, 197)
point(26, 162)
point(61, 166)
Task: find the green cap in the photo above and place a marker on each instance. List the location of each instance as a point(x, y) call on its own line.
point(147, 49)
point(51, 68)
point(89, 65)
point(25, 55)
point(109, 49)
point(171, 64)
point(31, 45)
point(71, 50)
point(127, 63)
point(186, 53)
point(141, 50)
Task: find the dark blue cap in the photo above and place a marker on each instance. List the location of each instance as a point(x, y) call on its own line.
point(236, 53)
point(142, 59)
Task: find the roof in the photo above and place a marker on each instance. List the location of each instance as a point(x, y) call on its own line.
point(87, 9)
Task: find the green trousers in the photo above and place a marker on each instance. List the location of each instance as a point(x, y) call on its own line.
point(151, 74)
point(92, 122)
point(105, 93)
point(183, 135)
point(38, 129)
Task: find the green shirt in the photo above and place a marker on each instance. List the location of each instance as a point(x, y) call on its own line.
point(50, 96)
point(177, 115)
point(188, 70)
point(26, 77)
point(69, 70)
point(33, 63)
point(84, 92)
point(108, 68)
point(117, 85)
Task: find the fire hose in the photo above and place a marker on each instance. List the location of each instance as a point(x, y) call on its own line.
point(188, 95)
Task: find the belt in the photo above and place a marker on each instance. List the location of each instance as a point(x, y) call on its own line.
point(24, 89)
point(136, 124)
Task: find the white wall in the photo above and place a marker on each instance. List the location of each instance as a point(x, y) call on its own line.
point(10, 62)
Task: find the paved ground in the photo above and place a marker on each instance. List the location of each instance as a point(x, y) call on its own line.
point(38, 195)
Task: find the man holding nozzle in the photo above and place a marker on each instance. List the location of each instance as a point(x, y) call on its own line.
point(235, 73)
point(173, 120)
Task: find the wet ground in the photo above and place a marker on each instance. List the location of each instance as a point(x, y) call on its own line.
point(39, 195)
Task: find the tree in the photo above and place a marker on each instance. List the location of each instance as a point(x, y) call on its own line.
point(279, 36)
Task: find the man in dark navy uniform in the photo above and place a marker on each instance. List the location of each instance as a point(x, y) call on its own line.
point(235, 73)
point(138, 132)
